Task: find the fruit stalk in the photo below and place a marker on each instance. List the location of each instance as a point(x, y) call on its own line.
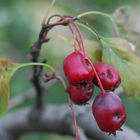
point(99, 81)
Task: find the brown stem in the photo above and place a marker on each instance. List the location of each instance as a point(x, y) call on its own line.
point(35, 52)
point(56, 15)
point(80, 36)
point(17, 123)
point(97, 76)
point(93, 29)
point(75, 38)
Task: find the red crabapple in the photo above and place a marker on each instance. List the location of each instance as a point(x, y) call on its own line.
point(109, 112)
point(77, 68)
point(108, 75)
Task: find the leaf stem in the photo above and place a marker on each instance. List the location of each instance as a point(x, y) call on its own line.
point(36, 64)
point(101, 14)
point(89, 29)
point(76, 41)
point(93, 31)
point(36, 82)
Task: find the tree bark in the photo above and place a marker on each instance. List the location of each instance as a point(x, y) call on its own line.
point(56, 119)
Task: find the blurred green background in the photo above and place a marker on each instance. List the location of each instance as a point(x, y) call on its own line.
point(20, 22)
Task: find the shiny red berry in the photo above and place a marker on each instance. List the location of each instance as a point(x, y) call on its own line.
point(77, 68)
point(81, 93)
point(109, 112)
point(108, 75)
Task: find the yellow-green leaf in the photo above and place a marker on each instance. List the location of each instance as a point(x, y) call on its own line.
point(94, 50)
point(127, 63)
point(7, 69)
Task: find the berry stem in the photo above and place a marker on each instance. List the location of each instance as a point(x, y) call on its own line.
point(80, 36)
point(74, 119)
point(76, 41)
point(56, 15)
point(93, 31)
point(100, 84)
point(96, 74)
point(75, 38)
point(59, 78)
point(101, 14)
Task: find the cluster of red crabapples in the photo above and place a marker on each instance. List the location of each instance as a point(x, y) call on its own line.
point(107, 108)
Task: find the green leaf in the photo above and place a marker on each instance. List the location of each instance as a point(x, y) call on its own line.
point(7, 70)
point(92, 47)
point(118, 43)
point(94, 50)
point(117, 52)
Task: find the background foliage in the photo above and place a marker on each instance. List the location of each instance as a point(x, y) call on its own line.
point(19, 27)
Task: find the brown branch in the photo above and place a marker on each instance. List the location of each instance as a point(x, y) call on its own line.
point(62, 121)
point(56, 119)
point(35, 53)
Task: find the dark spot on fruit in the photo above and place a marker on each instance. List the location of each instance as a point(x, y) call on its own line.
point(109, 74)
point(88, 94)
point(89, 90)
point(87, 62)
point(102, 75)
point(78, 86)
point(116, 115)
point(83, 83)
point(80, 94)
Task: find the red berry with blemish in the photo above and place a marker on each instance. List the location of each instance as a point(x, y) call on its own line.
point(108, 75)
point(81, 93)
point(109, 112)
point(77, 68)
